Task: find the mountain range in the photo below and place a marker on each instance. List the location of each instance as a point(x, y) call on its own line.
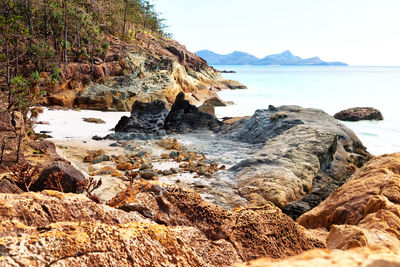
point(242, 58)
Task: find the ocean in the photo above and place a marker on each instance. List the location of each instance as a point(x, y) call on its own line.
point(330, 88)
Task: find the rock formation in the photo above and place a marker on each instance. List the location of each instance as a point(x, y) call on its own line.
point(305, 154)
point(320, 257)
point(145, 118)
point(365, 210)
point(69, 229)
point(152, 69)
point(185, 117)
point(358, 114)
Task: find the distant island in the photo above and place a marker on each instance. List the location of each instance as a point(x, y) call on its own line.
point(242, 58)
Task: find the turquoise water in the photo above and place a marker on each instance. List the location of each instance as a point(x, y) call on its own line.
point(331, 89)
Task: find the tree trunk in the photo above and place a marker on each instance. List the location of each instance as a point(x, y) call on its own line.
point(8, 75)
point(125, 13)
point(16, 71)
point(30, 23)
point(19, 143)
point(45, 20)
point(65, 32)
point(2, 148)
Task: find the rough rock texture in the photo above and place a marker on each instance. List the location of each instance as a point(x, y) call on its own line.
point(365, 211)
point(69, 179)
point(145, 118)
point(305, 153)
point(185, 117)
point(146, 70)
point(360, 257)
point(263, 231)
point(52, 228)
point(358, 114)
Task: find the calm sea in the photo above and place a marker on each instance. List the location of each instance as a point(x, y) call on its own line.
point(331, 89)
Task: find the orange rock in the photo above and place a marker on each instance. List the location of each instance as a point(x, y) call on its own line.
point(88, 158)
point(164, 156)
point(125, 167)
point(365, 211)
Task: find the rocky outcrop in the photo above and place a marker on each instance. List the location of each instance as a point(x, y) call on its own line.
point(365, 210)
point(185, 117)
point(52, 228)
point(145, 118)
point(147, 70)
point(253, 232)
point(360, 257)
point(306, 154)
point(358, 114)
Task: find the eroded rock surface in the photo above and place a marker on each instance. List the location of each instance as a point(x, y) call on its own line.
point(147, 70)
point(185, 117)
point(306, 155)
point(52, 228)
point(253, 232)
point(145, 118)
point(365, 211)
point(358, 114)
point(328, 258)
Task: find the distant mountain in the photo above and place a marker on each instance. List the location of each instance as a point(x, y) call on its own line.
point(241, 58)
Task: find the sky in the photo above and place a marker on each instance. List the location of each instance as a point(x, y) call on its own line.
point(358, 32)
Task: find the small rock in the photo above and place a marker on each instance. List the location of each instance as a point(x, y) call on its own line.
point(173, 154)
point(278, 115)
point(164, 156)
point(97, 138)
point(147, 174)
point(146, 165)
point(125, 167)
point(94, 120)
point(174, 170)
point(101, 158)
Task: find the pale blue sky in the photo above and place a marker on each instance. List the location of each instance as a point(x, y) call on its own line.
point(358, 32)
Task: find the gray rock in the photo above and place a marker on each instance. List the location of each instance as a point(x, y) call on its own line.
point(145, 118)
point(101, 158)
point(184, 118)
point(306, 154)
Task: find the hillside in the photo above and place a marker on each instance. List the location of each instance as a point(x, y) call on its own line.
point(97, 55)
point(284, 58)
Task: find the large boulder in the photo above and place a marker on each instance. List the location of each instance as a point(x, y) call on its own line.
point(185, 117)
point(358, 114)
point(305, 155)
point(145, 118)
point(70, 178)
point(365, 211)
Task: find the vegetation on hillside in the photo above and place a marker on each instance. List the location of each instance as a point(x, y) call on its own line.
point(39, 36)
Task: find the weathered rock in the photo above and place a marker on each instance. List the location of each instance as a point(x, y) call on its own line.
point(69, 180)
point(365, 211)
point(52, 228)
point(253, 232)
point(209, 109)
point(147, 70)
point(94, 120)
point(7, 187)
point(185, 117)
point(305, 153)
point(358, 114)
point(145, 118)
point(215, 101)
point(360, 257)
point(101, 158)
